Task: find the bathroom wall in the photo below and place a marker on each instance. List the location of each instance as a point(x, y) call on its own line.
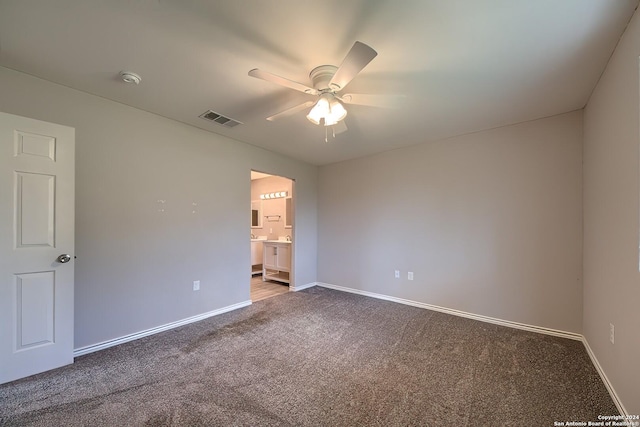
point(272, 228)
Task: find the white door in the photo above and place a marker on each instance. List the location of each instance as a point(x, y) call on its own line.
point(36, 228)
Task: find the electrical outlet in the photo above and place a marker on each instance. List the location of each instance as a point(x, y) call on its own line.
point(397, 274)
point(410, 275)
point(612, 333)
point(196, 285)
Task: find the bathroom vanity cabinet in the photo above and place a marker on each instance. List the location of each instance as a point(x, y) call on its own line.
point(276, 263)
point(256, 256)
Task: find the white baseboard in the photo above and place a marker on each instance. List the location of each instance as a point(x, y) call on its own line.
point(116, 341)
point(605, 380)
point(301, 287)
point(614, 396)
point(507, 323)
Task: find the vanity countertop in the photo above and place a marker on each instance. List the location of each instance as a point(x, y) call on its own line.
point(277, 241)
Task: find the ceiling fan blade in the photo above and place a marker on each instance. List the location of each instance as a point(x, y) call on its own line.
point(383, 101)
point(340, 127)
point(290, 111)
point(357, 58)
point(263, 75)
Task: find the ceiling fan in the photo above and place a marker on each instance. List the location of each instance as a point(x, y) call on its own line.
point(328, 81)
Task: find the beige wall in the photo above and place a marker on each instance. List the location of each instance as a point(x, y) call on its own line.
point(273, 228)
point(611, 278)
point(135, 265)
point(490, 223)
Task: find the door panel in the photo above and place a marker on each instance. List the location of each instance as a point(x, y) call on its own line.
point(35, 302)
point(36, 226)
point(35, 204)
point(29, 144)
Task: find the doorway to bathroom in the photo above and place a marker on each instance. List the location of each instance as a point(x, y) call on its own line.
point(272, 235)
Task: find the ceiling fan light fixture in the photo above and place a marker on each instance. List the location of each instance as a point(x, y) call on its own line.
point(327, 82)
point(321, 110)
point(327, 108)
point(338, 112)
point(314, 115)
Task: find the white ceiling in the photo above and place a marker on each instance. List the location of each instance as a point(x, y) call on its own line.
point(464, 65)
point(259, 175)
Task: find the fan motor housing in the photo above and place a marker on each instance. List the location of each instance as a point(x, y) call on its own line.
point(321, 76)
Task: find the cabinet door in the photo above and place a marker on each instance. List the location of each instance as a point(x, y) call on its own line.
point(256, 253)
point(283, 261)
point(270, 252)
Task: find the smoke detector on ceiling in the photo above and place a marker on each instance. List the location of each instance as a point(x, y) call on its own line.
point(129, 77)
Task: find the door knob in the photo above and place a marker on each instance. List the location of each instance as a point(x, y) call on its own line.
point(64, 258)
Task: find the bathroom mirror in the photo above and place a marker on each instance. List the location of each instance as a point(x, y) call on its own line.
point(256, 214)
point(288, 212)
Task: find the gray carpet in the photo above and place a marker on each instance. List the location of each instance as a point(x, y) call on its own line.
point(320, 358)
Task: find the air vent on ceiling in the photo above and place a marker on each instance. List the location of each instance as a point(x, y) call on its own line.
point(212, 116)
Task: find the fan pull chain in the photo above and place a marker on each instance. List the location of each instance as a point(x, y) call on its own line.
point(326, 133)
